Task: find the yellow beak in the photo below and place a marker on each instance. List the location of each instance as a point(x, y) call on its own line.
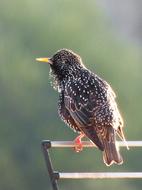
point(44, 59)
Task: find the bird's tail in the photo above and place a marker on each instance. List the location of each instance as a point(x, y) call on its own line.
point(111, 150)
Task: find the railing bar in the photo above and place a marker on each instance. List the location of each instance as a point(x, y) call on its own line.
point(99, 175)
point(45, 147)
point(65, 144)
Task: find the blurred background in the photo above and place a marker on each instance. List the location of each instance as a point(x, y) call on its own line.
point(108, 36)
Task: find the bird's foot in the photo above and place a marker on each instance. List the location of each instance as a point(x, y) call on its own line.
point(78, 144)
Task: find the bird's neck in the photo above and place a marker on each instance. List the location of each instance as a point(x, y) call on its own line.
point(60, 79)
point(73, 75)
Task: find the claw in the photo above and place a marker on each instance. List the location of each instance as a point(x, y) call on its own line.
point(78, 144)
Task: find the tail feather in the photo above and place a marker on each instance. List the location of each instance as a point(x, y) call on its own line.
point(111, 153)
point(111, 150)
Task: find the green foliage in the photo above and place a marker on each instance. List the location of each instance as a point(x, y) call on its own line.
point(28, 106)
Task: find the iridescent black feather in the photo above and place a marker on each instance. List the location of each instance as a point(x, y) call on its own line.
point(87, 104)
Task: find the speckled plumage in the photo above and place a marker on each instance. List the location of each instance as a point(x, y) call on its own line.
point(87, 103)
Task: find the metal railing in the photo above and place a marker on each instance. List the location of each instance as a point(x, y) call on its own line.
point(55, 175)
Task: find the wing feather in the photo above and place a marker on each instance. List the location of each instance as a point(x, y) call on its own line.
point(92, 109)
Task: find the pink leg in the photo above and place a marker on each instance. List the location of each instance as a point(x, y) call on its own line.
point(78, 144)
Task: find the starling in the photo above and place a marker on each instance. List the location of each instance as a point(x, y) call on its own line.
point(86, 104)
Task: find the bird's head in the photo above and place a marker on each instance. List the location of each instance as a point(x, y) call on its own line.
point(63, 63)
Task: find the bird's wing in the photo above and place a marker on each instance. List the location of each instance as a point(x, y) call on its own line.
point(83, 117)
point(92, 112)
point(82, 102)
